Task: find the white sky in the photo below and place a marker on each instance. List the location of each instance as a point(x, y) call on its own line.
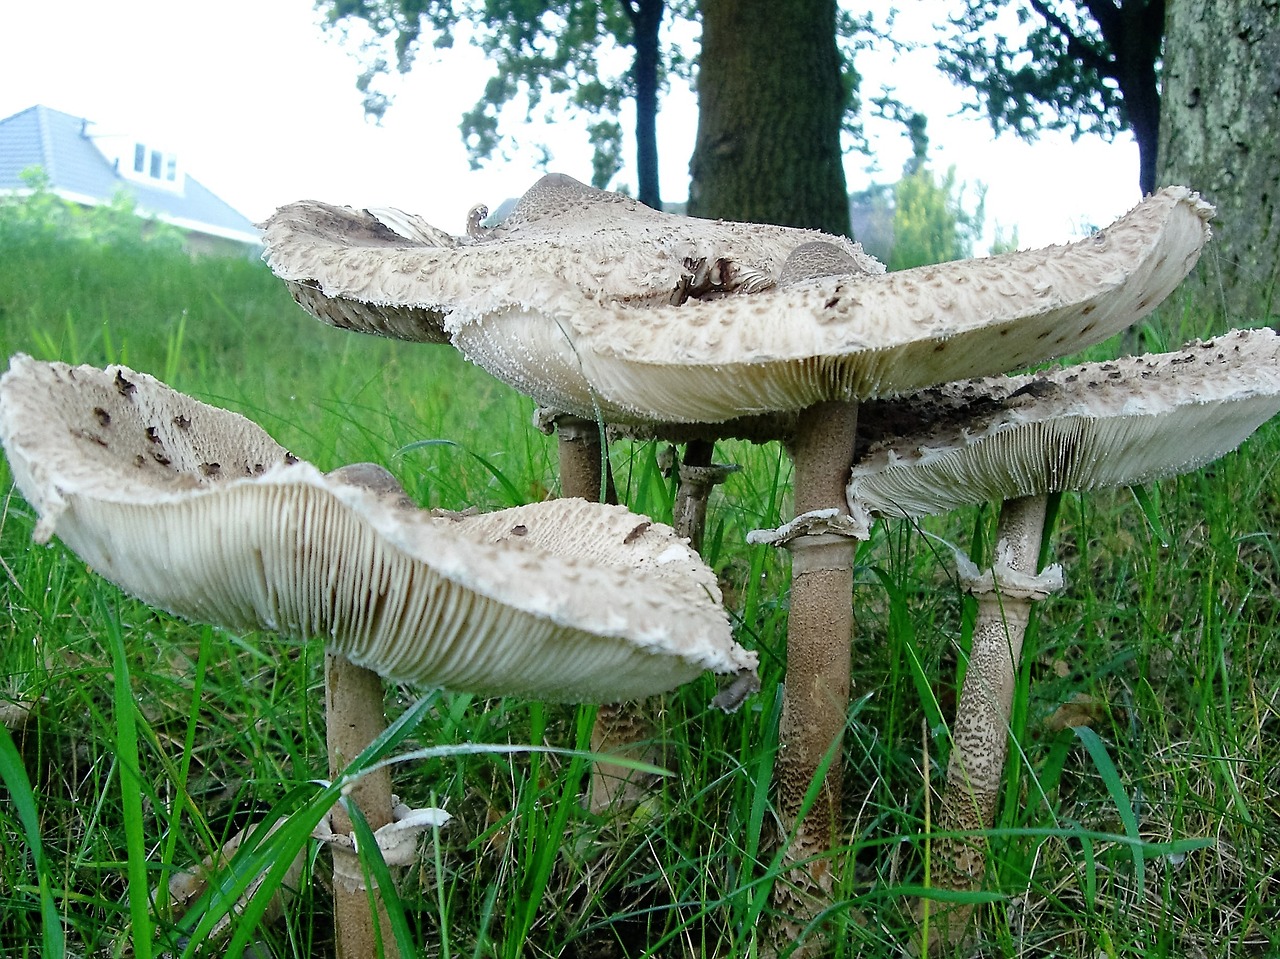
point(262, 108)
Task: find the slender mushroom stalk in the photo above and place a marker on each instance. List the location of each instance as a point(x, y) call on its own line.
point(584, 460)
point(196, 510)
point(592, 304)
point(979, 734)
point(1015, 440)
point(350, 726)
point(696, 477)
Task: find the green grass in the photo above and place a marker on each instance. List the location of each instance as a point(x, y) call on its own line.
point(153, 740)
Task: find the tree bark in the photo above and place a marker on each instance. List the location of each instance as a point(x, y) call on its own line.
point(770, 107)
point(1133, 32)
point(1220, 135)
point(646, 21)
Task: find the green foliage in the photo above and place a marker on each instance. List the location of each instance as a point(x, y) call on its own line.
point(1166, 632)
point(42, 213)
point(1041, 71)
point(558, 49)
point(1086, 66)
point(555, 48)
point(930, 222)
point(928, 217)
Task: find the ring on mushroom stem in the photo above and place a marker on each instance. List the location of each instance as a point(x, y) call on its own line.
point(564, 600)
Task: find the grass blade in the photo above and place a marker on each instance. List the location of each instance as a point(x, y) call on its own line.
point(514, 496)
point(130, 787)
point(14, 776)
point(1111, 779)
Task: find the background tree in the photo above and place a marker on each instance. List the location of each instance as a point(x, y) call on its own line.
point(930, 223)
point(1220, 132)
point(548, 46)
point(922, 218)
point(772, 100)
point(1086, 66)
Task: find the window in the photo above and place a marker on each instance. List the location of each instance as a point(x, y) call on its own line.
point(157, 168)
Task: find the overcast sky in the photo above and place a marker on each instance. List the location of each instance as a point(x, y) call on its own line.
point(262, 108)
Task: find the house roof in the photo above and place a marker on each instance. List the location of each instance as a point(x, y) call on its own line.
point(63, 146)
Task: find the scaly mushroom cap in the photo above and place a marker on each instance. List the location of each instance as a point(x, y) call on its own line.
point(564, 246)
point(196, 510)
point(593, 304)
point(1085, 427)
point(844, 337)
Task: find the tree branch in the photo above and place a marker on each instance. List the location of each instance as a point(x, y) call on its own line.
point(1076, 46)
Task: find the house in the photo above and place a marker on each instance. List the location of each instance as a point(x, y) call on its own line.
point(88, 165)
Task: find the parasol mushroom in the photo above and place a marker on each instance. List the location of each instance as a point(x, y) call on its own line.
point(198, 511)
point(1016, 440)
point(598, 308)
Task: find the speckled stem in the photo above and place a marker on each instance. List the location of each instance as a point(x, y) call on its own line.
point(354, 718)
point(689, 513)
point(980, 733)
point(698, 477)
point(582, 460)
point(819, 631)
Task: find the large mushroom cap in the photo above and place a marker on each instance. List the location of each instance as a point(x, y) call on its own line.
point(198, 511)
point(844, 337)
point(593, 304)
point(1091, 426)
point(564, 245)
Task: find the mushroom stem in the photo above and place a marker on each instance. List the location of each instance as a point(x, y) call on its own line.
point(980, 733)
point(354, 711)
point(620, 728)
point(819, 632)
point(698, 477)
point(689, 513)
point(583, 461)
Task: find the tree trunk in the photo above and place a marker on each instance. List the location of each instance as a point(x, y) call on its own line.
point(646, 20)
point(1220, 135)
point(770, 106)
point(1133, 31)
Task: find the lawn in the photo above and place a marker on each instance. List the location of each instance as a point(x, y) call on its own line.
point(1155, 831)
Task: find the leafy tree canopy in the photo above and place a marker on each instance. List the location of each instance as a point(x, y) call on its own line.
point(1084, 66)
point(922, 218)
point(930, 221)
point(537, 48)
